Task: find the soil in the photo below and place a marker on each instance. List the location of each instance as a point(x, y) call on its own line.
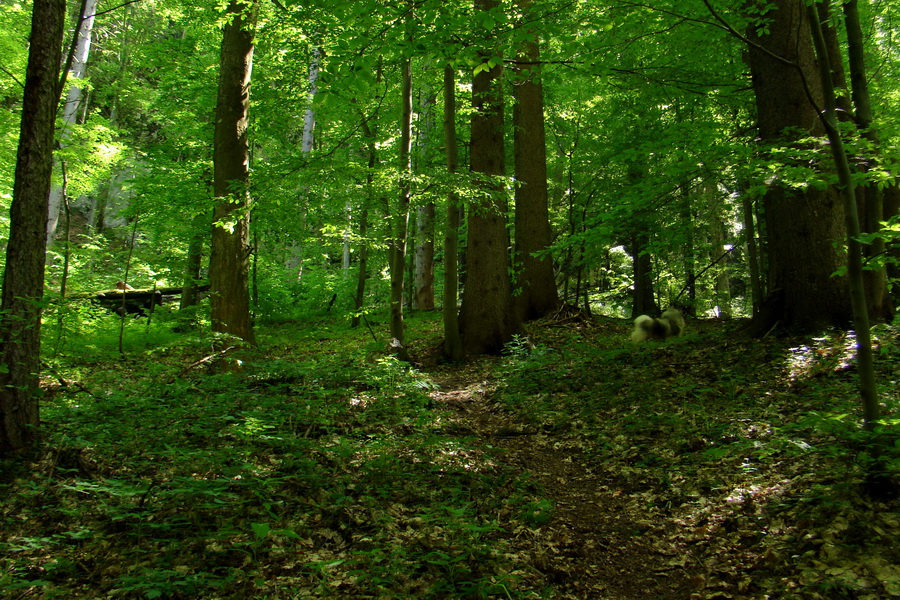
point(599, 543)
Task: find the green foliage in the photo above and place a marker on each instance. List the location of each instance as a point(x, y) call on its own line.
point(318, 468)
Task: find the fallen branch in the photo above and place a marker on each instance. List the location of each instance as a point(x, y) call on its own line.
point(205, 359)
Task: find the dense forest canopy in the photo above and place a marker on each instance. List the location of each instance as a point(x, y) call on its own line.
point(652, 139)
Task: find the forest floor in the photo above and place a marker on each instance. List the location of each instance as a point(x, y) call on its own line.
point(578, 466)
point(594, 545)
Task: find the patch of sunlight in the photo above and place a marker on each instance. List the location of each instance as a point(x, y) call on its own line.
point(828, 353)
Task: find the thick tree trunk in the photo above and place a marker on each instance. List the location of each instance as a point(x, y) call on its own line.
point(229, 264)
point(486, 318)
point(538, 295)
point(23, 278)
point(802, 224)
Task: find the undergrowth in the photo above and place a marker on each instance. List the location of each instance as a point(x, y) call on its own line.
point(327, 469)
point(321, 470)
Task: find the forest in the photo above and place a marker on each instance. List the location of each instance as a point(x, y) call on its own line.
point(441, 299)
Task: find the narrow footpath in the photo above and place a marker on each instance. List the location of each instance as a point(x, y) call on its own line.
point(598, 543)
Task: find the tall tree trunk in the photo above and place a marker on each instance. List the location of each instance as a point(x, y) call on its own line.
point(23, 278)
point(423, 288)
point(80, 54)
point(864, 357)
point(486, 318)
point(363, 273)
point(752, 253)
point(397, 247)
point(802, 224)
point(452, 342)
point(230, 248)
point(872, 197)
point(690, 259)
point(538, 295)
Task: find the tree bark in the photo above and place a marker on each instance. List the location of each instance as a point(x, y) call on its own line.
point(643, 301)
point(80, 54)
point(752, 254)
point(802, 224)
point(190, 294)
point(230, 249)
point(864, 356)
point(538, 295)
point(486, 318)
point(424, 279)
point(423, 286)
point(23, 278)
point(397, 247)
point(452, 342)
point(871, 198)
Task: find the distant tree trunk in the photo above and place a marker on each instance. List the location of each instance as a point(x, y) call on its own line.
point(752, 253)
point(363, 261)
point(643, 301)
point(423, 288)
point(23, 278)
point(363, 273)
point(452, 342)
point(690, 259)
point(190, 295)
point(718, 240)
point(802, 224)
point(538, 295)
point(424, 280)
point(397, 246)
point(73, 101)
point(230, 248)
point(486, 318)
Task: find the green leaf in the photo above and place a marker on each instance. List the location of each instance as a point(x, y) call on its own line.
point(260, 529)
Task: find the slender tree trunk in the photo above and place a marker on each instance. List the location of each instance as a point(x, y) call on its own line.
point(397, 249)
point(363, 273)
point(486, 318)
point(538, 295)
point(752, 253)
point(690, 259)
point(295, 262)
point(230, 248)
point(452, 342)
point(23, 278)
point(864, 358)
point(873, 205)
point(423, 288)
point(73, 102)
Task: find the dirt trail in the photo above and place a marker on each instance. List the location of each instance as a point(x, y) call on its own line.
point(598, 544)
